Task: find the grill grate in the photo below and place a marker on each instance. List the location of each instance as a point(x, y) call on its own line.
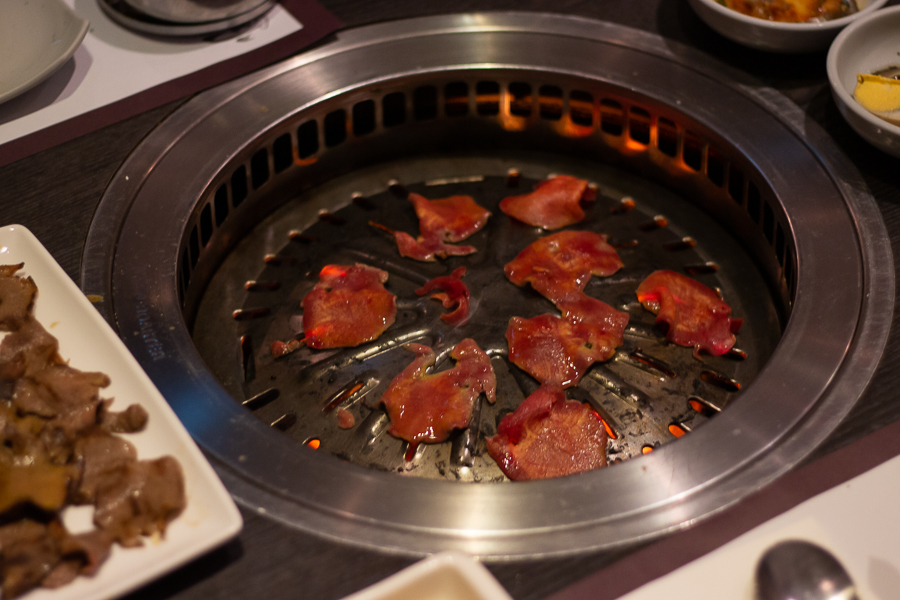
point(642, 394)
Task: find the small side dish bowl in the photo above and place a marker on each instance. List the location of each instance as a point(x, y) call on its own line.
point(36, 38)
point(775, 36)
point(449, 575)
point(870, 44)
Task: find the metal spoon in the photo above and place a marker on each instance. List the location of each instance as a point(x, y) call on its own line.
point(798, 570)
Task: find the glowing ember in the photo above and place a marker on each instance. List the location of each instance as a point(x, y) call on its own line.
point(279, 348)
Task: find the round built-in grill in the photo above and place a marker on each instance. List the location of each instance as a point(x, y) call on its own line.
point(224, 215)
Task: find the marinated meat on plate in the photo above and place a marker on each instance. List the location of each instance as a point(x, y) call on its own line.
point(58, 449)
point(562, 263)
point(16, 298)
point(559, 351)
point(548, 436)
point(347, 307)
point(35, 552)
point(554, 203)
point(428, 407)
point(441, 221)
point(696, 316)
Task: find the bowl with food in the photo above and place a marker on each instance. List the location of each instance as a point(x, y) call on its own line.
point(783, 25)
point(864, 72)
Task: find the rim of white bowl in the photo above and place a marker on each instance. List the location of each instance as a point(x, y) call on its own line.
point(779, 26)
point(834, 78)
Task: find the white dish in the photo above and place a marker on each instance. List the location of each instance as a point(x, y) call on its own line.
point(36, 38)
point(210, 517)
point(868, 45)
point(444, 576)
point(193, 11)
point(775, 36)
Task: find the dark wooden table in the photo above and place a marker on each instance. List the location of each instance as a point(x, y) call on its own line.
point(56, 192)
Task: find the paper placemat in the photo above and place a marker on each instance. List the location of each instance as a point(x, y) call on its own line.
point(855, 521)
point(845, 501)
point(117, 73)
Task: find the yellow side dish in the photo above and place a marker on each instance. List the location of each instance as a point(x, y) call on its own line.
point(879, 95)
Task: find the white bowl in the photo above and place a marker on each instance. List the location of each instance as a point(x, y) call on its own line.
point(449, 575)
point(870, 44)
point(36, 38)
point(775, 36)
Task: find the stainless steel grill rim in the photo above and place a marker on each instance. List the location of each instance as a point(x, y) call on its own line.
point(652, 495)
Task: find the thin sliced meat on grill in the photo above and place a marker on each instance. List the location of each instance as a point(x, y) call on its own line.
point(453, 293)
point(559, 351)
point(144, 497)
point(553, 204)
point(441, 221)
point(16, 297)
point(548, 436)
point(427, 249)
point(279, 348)
point(347, 307)
point(428, 407)
point(562, 263)
point(450, 219)
point(696, 316)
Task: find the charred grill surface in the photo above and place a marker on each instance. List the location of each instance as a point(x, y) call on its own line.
point(644, 394)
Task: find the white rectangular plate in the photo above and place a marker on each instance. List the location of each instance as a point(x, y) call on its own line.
point(89, 344)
